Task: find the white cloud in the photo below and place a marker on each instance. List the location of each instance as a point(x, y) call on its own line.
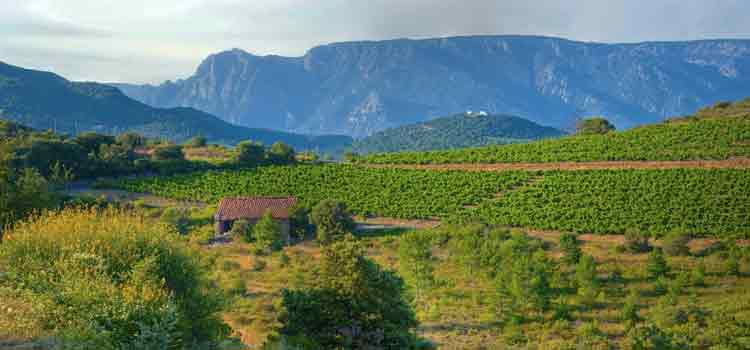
point(153, 40)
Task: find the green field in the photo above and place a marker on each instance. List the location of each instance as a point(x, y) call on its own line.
point(703, 202)
point(715, 133)
point(706, 202)
point(386, 192)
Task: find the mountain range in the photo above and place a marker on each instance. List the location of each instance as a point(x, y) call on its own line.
point(44, 100)
point(360, 88)
point(471, 129)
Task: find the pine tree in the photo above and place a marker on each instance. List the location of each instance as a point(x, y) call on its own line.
point(267, 233)
point(571, 249)
point(657, 264)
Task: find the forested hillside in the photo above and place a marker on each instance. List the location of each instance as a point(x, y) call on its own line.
point(458, 131)
point(44, 100)
point(718, 132)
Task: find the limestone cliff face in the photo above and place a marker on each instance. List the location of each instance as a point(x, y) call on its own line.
point(359, 88)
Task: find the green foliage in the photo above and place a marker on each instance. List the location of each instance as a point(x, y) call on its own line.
point(594, 126)
point(21, 194)
point(458, 131)
point(676, 243)
point(571, 249)
point(131, 140)
point(178, 218)
point(250, 153)
point(719, 134)
point(243, 229)
point(649, 337)
point(656, 266)
point(636, 242)
point(332, 221)
point(197, 141)
point(281, 153)
point(701, 201)
point(386, 192)
point(630, 308)
point(415, 262)
point(523, 277)
point(299, 222)
point(267, 233)
point(112, 279)
point(587, 282)
point(92, 142)
point(168, 152)
point(355, 304)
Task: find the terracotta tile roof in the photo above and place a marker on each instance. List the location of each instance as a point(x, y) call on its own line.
point(254, 207)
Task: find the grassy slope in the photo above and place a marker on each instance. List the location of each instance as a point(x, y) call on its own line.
point(459, 313)
point(720, 132)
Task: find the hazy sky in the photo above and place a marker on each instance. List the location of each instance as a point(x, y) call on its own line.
point(154, 40)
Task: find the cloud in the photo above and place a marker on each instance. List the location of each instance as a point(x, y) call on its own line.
point(151, 40)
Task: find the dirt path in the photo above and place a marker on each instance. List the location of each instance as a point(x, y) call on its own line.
point(737, 163)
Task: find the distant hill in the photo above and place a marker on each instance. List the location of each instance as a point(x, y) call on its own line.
point(360, 88)
point(718, 132)
point(458, 131)
point(44, 100)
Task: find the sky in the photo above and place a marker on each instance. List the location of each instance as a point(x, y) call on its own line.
point(149, 41)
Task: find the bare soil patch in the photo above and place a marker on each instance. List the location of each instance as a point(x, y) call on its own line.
point(735, 163)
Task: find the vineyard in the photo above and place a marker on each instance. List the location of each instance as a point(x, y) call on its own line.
point(394, 193)
point(703, 202)
point(686, 139)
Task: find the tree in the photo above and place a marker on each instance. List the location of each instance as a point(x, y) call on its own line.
point(636, 242)
point(350, 157)
point(354, 304)
point(571, 249)
point(198, 141)
point(586, 279)
point(656, 266)
point(281, 153)
point(250, 153)
point(415, 261)
point(21, 194)
point(169, 152)
point(299, 222)
point(131, 140)
point(332, 221)
point(594, 126)
point(92, 141)
point(267, 233)
point(630, 308)
point(676, 243)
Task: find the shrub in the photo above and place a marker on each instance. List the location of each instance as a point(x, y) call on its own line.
point(281, 153)
point(250, 153)
point(168, 152)
point(267, 233)
point(571, 249)
point(657, 265)
point(586, 279)
point(636, 242)
point(242, 229)
point(179, 218)
point(698, 275)
point(676, 243)
point(630, 308)
point(144, 288)
point(594, 126)
point(332, 221)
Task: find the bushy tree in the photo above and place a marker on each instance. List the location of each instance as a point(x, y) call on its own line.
point(676, 243)
point(354, 304)
point(196, 142)
point(630, 308)
point(299, 222)
point(594, 126)
point(243, 229)
point(656, 266)
point(168, 152)
point(131, 140)
point(636, 242)
point(571, 249)
point(267, 233)
point(415, 261)
point(281, 153)
point(587, 281)
point(250, 153)
point(92, 142)
point(332, 221)
point(21, 194)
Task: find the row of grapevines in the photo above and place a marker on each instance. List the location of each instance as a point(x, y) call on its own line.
point(705, 202)
point(712, 138)
point(387, 192)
